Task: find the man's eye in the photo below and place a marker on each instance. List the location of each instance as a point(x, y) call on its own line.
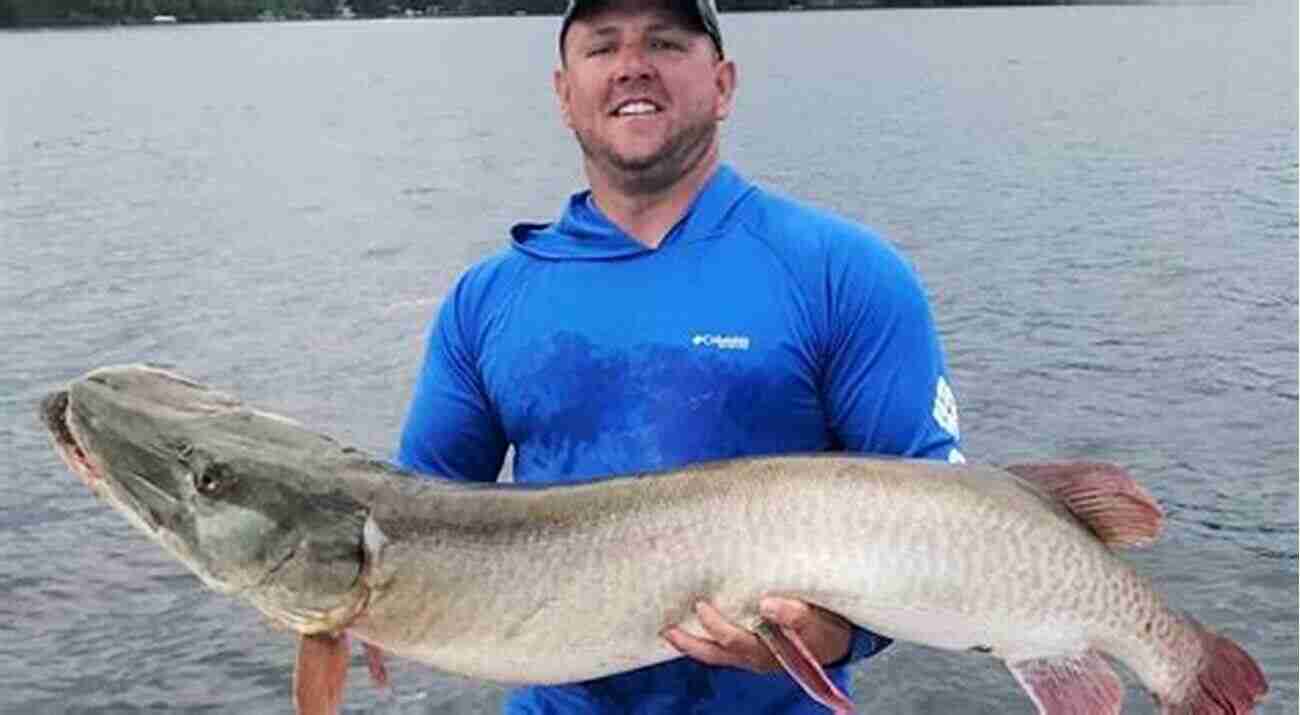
point(599, 50)
point(662, 44)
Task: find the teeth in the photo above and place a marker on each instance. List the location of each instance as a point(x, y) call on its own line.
point(637, 108)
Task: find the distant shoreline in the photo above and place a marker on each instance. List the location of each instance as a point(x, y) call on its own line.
point(22, 14)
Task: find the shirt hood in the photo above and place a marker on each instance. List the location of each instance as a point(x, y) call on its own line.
point(583, 233)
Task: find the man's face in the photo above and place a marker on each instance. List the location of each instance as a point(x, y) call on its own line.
point(642, 91)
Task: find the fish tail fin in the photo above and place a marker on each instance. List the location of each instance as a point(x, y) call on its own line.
point(1104, 497)
point(1227, 681)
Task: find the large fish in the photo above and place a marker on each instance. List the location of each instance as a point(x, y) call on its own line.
point(566, 583)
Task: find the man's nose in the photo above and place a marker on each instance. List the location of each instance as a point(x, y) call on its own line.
point(633, 64)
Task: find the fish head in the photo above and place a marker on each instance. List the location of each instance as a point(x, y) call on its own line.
point(251, 502)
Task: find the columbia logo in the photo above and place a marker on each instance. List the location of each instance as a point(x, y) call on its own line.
point(722, 342)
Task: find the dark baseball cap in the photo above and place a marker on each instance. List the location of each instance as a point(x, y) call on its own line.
point(704, 12)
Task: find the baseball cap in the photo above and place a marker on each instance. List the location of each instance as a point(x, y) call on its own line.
point(703, 11)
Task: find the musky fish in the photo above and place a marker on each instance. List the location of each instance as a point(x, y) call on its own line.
point(566, 583)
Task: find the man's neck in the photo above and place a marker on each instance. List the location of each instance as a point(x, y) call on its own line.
point(648, 215)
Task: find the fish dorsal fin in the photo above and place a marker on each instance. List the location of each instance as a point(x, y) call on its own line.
point(320, 674)
point(1082, 684)
point(1104, 497)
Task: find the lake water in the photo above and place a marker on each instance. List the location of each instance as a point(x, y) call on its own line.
point(1102, 201)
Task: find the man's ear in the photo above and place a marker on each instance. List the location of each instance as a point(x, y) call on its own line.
point(561, 82)
point(725, 77)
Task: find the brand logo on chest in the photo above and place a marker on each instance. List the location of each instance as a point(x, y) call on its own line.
point(721, 342)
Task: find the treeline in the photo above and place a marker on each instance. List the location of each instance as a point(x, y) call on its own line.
point(92, 12)
point(63, 12)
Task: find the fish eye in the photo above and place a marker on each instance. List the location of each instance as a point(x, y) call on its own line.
point(210, 481)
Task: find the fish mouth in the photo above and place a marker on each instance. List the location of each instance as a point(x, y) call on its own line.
point(55, 410)
point(144, 503)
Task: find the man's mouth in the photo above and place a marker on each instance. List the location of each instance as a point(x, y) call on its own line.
point(636, 108)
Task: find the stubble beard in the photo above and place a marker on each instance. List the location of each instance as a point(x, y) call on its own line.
point(682, 151)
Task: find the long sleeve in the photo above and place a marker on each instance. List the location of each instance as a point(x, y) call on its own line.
point(451, 429)
point(884, 385)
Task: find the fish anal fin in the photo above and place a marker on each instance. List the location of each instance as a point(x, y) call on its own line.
point(1104, 497)
point(793, 655)
point(320, 674)
point(1082, 684)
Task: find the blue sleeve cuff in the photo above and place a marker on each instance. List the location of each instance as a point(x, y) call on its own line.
point(863, 644)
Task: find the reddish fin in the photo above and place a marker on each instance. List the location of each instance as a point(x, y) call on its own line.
point(1229, 681)
point(1083, 684)
point(320, 674)
point(375, 661)
point(1104, 497)
point(799, 662)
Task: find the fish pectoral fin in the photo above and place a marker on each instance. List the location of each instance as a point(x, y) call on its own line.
point(1082, 684)
point(793, 655)
point(375, 662)
point(320, 674)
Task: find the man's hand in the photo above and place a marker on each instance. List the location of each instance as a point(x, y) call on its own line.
point(826, 635)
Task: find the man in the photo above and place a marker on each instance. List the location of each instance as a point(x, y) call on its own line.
point(676, 313)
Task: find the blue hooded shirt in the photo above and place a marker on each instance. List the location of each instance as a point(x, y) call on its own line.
point(758, 326)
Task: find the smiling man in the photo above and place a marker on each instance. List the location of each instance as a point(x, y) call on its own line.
point(677, 313)
point(644, 86)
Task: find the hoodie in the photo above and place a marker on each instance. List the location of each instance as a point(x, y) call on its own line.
point(759, 325)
